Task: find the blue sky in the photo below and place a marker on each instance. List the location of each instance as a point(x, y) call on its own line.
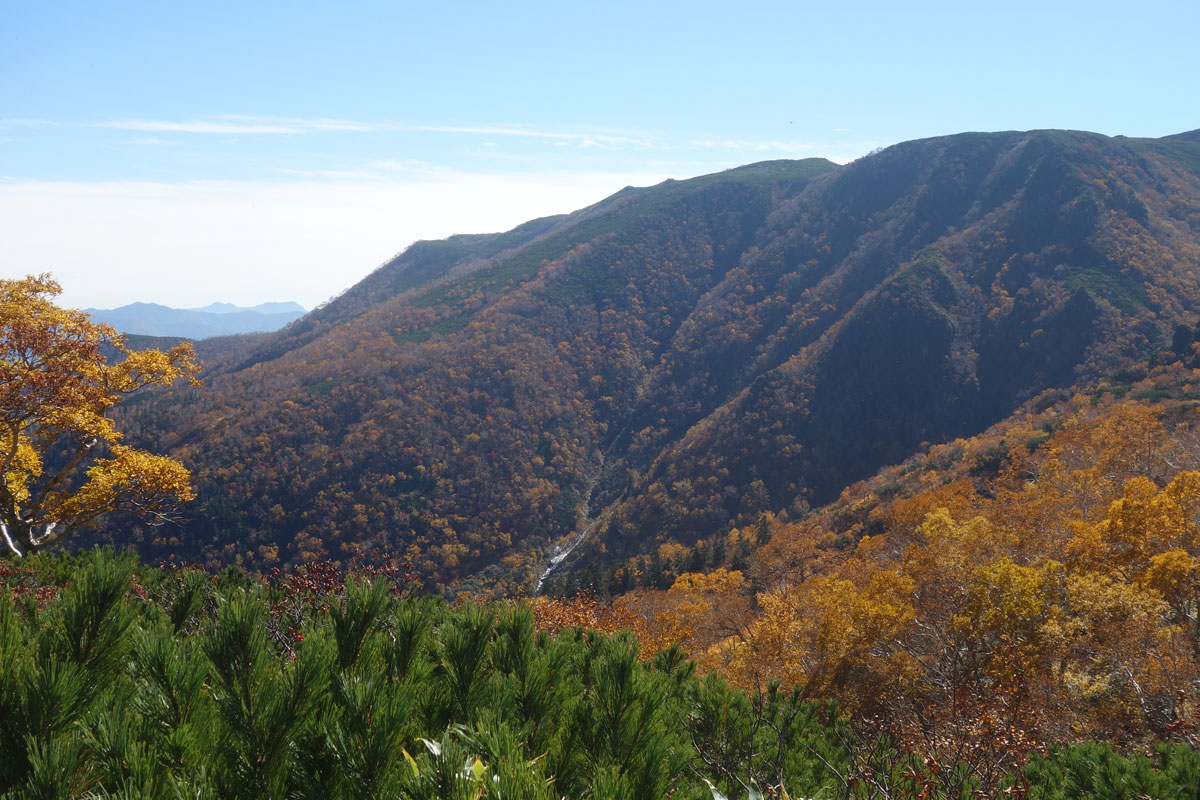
point(185, 152)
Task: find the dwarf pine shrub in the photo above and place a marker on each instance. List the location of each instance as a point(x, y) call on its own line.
point(117, 680)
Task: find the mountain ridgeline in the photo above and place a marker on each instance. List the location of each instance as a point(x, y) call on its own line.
point(681, 358)
point(215, 319)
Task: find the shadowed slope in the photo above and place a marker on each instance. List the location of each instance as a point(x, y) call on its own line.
point(687, 355)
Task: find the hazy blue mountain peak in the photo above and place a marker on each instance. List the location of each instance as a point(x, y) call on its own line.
point(216, 319)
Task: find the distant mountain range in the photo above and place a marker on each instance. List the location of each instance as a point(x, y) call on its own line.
point(676, 360)
point(217, 319)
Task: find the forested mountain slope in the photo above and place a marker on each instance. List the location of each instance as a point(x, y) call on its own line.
point(1042, 574)
point(684, 356)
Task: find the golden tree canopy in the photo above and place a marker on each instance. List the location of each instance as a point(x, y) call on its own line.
point(61, 461)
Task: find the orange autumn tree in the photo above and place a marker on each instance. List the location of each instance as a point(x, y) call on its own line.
point(61, 461)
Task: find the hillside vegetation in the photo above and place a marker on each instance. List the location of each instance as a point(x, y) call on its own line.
point(1041, 578)
point(677, 360)
point(121, 680)
point(868, 481)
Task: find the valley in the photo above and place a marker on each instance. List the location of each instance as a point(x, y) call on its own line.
point(875, 480)
point(743, 343)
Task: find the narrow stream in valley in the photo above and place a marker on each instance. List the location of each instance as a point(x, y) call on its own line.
point(560, 553)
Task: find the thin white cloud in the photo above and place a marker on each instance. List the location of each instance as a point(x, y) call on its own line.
point(606, 138)
point(405, 165)
point(337, 174)
point(290, 126)
point(240, 124)
point(19, 122)
point(599, 139)
point(197, 126)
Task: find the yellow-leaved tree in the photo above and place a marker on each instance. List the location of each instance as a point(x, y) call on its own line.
point(61, 461)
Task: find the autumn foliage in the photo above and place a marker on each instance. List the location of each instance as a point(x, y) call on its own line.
point(968, 601)
point(679, 360)
point(62, 463)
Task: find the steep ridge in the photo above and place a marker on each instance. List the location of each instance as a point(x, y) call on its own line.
point(680, 358)
point(926, 292)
